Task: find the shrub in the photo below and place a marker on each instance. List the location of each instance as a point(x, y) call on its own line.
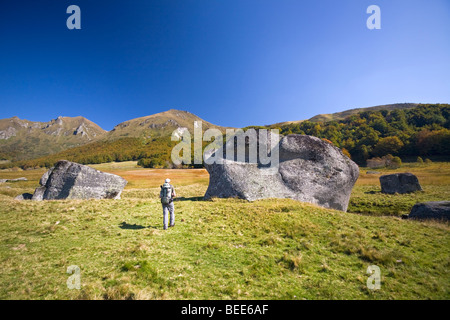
point(345, 151)
point(396, 162)
point(153, 163)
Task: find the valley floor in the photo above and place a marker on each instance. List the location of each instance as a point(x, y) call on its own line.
point(225, 248)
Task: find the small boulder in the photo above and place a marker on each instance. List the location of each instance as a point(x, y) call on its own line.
point(438, 210)
point(373, 172)
point(24, 196)
point(399, 183)
point(13, 180)
point(69, 180)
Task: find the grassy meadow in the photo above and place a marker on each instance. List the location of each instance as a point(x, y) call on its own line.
point(224, 248)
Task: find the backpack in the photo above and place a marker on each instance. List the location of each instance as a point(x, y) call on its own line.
point(166, 193)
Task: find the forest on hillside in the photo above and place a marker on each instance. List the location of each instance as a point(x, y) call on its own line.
point(421, 131)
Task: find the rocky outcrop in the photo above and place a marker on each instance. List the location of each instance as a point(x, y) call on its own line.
point(69, 180)
point(8, 133)
point(310, 170)
point(399, 183)
point(81, 130)
point(437, 210)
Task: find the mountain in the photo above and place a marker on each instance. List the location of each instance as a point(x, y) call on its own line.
point(158, 125)
point(142, 138)
point(23, 139)
point(344, 114)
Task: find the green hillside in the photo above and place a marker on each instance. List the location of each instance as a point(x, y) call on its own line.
point(345, 114)
point(405, 132)
point(123, 149)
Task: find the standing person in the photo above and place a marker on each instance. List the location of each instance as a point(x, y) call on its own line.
point(167, 194)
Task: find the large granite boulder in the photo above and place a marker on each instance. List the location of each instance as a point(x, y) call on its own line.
point(310, 170)
point(399, 183)
point(439, 210)
point(69, 180)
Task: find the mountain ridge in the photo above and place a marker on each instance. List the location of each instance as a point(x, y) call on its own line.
point(159, 125)
point(341, 115)
point(22, 139)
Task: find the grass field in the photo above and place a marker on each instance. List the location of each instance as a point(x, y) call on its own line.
point(225, 248)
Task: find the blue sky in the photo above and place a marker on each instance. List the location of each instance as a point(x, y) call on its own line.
point(231, 62)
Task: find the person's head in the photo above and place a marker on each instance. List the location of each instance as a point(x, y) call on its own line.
point(167, 180)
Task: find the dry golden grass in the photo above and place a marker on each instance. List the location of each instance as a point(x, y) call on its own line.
point(432, 174)
point(138, 177)
point(148, 178)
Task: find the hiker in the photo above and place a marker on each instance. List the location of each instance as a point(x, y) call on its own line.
point(167, 194)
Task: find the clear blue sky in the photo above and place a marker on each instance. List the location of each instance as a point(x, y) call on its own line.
point(231, 62)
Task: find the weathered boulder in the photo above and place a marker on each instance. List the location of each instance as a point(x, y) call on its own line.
point(310, 170)
point(373, 172)
point(399, 183)
point(439, 210)
point(38, 194)
point(69, 180)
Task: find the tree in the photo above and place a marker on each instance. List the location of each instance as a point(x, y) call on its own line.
point(388, 145)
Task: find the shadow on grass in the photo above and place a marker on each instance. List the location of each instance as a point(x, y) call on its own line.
point(189, 199)
point(373, 192)
point(124, 225)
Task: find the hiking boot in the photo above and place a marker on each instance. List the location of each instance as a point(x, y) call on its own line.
point(172, 225)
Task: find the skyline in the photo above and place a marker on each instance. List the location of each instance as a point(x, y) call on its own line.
point(235, 64)
point(202, 119)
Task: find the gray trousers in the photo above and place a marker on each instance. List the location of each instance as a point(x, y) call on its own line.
point(166, 209)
